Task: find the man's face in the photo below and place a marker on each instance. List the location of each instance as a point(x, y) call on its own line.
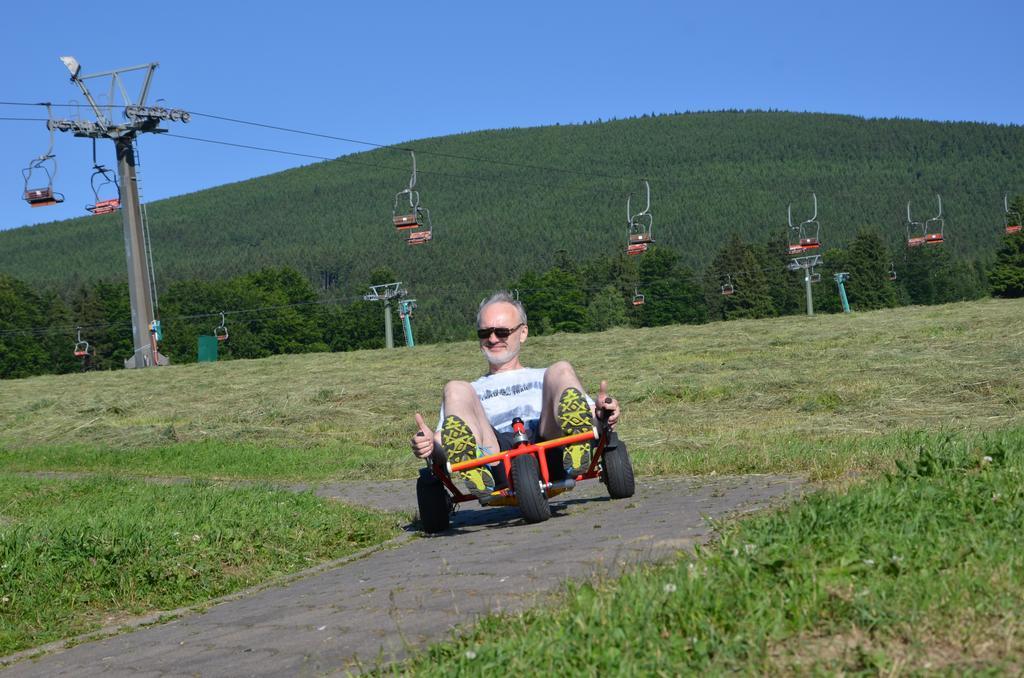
point(500, 351)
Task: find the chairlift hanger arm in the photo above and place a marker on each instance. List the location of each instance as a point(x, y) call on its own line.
point(647, 209)
point(115, 76)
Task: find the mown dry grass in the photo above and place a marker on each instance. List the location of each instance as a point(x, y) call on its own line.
point(696, 398)
point(972, 643)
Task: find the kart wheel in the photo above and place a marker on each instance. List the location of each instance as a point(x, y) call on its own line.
point(435, 505)
point(617, 470)
point(526, 481)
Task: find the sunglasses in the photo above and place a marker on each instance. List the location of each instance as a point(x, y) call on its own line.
point(499, 332)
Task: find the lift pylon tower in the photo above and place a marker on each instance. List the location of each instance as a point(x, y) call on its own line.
point(140, 118)
point(405, 309)
point(386, 293)
point(807, 264)
point(841, 279)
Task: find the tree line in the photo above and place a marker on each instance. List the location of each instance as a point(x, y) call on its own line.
point(512, 198)
point(278, 310)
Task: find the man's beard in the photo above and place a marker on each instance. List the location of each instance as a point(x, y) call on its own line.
point(500, 359)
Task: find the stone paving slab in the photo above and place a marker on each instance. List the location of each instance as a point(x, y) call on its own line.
point(379, 608)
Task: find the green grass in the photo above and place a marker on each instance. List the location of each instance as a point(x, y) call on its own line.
point(831, 397)
point(824, 457)
point(214, 461)
point(764, 395)
point(79, 555)
point(919, 571)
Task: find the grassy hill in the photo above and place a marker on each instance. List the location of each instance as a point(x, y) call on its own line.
point(824, 396)
point(712, 174)
point(936, 391)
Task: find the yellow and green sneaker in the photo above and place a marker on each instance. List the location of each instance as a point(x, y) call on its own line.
point(574, 417)
point(459, 445)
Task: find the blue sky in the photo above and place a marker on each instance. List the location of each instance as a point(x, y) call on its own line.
point(388, 72)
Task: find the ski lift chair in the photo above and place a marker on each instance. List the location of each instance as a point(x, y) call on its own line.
point(42, 196)
point(419, 237)
point(914, 240)
point(638, 299)
point(800, 237)
point(221, 331)
point(639, 225)
point(727, 287)
point(934, 227)
point(82, 348)
point(407, 220)
point(108, 205)
point(1012, 224)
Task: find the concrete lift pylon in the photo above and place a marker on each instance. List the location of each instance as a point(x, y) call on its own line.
point(386, 293)
point(141, 118)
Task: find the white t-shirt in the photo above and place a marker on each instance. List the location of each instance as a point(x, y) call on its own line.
point(510, 394)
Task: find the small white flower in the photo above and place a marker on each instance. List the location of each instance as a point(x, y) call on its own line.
point(869, 562)
point(986, 459)
point(897, 559)
point(750, 548)
point(995, 497)
point(670, 588)
point(196, 537)
point(5, 599)
point(175, 534)
point(470, 654)
point(735, 552)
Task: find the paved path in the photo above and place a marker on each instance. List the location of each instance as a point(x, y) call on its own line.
point(375, 609)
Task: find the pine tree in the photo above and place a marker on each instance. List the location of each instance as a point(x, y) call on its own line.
point(1006, 276)
point(606, 309)
point(32, 339)
point(868, 262)
point(785, 288)
point(671, 293)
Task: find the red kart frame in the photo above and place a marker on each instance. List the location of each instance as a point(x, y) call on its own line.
point(506, 458)
point(525, 464)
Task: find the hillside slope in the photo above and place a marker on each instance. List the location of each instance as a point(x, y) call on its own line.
point(783, 394)
point(712, 174)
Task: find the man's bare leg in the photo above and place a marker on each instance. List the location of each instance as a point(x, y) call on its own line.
point(462, 401)
point(557, 378)
point(566, 412)
point(465, 429)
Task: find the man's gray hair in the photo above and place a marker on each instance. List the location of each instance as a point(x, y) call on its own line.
point(501, 297)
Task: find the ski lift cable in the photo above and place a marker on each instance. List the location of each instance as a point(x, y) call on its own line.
point(397, 147)
point(407, 148)
point(346, 160)
point(372, 144)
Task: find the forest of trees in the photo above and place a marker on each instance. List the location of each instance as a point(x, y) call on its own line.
point(542, 211)
point(278, 310)
point(504, 202)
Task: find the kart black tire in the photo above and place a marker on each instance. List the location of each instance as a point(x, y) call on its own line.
point(526, 480)
point(434, 503)
point(617, 470)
